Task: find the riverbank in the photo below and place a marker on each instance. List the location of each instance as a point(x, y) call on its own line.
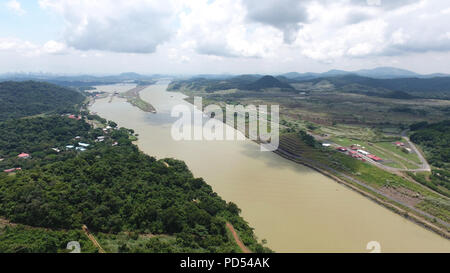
point(371, 194)
point(430, 221)
point(296, 208)
point(134, 98)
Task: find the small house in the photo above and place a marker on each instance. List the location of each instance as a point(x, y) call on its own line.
point(81, 149)
point(84, 145)
point(363, 152)
point(70, 147)
point(342, 149)
point(375, 158)
point(74, 117)
point(24, 156)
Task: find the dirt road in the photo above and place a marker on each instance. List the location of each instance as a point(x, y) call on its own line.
point(237, 239)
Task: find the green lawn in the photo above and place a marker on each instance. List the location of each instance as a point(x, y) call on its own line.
point(392, 161)
point(391, 147)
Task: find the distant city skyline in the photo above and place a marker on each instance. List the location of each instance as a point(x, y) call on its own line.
point(223, 36)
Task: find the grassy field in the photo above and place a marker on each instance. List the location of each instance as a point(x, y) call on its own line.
point(392, 155)
point(396, 150)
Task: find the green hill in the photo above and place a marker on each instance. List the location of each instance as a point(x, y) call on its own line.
point(22, 99)
point(403, 88)
point(267, 82)
point(112, 189)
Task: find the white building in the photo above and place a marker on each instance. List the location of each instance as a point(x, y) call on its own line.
point(363, 152)
point(84, 144)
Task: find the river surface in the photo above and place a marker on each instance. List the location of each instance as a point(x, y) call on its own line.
point(294, 207)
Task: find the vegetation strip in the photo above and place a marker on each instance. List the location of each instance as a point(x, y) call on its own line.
point(134, 98)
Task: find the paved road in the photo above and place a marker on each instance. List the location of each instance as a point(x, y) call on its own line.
point(425, 166)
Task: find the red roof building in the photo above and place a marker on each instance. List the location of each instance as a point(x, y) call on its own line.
point(9, 170)
point(342, 149)
point(74, 117)
point(399, 143)
point(375, 158)
point(24, 155)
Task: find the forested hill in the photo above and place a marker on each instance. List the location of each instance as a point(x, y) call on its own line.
point(22, 99)
point(435, 139)
point(111, 187)
point(437, 87)
point(242, 82)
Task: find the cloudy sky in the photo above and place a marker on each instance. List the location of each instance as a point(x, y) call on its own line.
point(222, 36)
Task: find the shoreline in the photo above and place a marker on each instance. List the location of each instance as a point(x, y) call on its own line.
point(392, 205)
point(133, 97)
point(421, 221)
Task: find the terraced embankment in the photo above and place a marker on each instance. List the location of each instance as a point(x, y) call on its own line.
point(292, 148)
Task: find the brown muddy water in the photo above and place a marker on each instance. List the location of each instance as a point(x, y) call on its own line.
point(294, 207)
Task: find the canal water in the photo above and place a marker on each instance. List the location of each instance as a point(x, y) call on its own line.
point(294, 208)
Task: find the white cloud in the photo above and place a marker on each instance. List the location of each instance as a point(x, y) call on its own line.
point(220, 28)
point(29, 49)
point(24, 48)
point(16, 7)
point(54, 47)
point(400, 28)
point(137, 26)
point(285, 15)
point(321, 30)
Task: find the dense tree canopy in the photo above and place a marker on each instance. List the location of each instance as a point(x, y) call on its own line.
point(21, 99)
point(37, 137)
point(435, 138)
point(435, 141)
point(107, 184)
point(110, 188)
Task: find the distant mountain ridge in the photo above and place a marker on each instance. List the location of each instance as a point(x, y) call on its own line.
point(396, 88)
point(76, 80)
point(376, 73)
